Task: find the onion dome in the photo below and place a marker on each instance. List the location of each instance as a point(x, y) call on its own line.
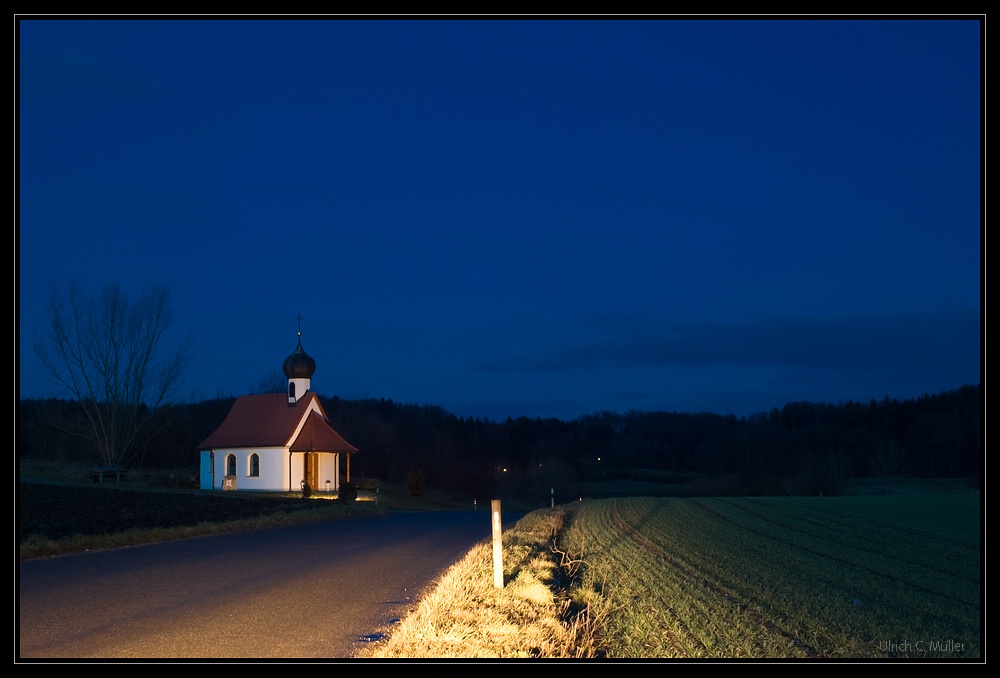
point(299, 365)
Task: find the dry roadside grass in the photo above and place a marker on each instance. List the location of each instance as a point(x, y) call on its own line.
point(467, 617)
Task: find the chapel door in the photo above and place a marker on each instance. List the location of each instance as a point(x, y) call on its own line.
point(312, 470)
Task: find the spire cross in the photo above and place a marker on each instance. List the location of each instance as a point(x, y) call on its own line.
point(299, 318)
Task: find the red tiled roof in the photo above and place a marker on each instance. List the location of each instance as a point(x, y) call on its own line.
point(317, 436)
point(269, 421)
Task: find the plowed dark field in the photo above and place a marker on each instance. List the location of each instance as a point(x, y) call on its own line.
point(57, 511)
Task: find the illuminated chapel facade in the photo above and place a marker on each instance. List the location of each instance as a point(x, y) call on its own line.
point(277, 442)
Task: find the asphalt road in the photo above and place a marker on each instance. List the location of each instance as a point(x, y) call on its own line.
point(320, 591)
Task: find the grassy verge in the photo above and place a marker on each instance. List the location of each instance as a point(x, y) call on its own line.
point(467, 616)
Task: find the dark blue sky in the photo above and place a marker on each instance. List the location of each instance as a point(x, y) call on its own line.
point(519, 217)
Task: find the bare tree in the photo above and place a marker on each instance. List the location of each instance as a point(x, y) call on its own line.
point(887, 458)
point(108, 354)
point(270, 382)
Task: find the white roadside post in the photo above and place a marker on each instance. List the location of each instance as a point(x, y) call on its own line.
point(497, 547)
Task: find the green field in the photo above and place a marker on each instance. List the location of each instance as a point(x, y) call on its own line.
point(864, 577)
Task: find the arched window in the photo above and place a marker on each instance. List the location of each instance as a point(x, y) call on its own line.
point(291, 389)
point(231, 465)
point(254, 465)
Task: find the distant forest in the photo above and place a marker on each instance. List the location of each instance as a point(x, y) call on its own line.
point(803, 448)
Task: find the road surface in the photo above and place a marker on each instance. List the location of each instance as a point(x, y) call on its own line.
point(320, 591)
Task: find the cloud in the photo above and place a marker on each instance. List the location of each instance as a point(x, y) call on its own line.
point(901, 341)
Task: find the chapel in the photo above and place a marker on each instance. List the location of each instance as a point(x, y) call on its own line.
point(279, 441)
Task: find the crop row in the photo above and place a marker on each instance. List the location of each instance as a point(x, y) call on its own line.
point(845, 577)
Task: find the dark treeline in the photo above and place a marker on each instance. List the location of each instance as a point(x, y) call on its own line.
point(815, 447)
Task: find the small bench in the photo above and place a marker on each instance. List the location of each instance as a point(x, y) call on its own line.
point(99, 473)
